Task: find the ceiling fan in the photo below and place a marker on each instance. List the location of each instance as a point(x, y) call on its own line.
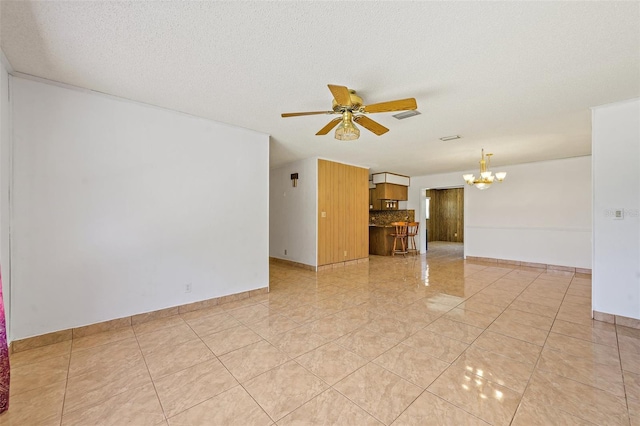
point(349, 105)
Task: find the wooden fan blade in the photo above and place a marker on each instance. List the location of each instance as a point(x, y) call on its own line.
point(340, 94)
point(399, 105)
point(371, 125)
point(297, 114)
point(333, 123)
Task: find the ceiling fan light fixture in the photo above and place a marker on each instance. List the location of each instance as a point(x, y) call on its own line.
point(347, 131)
point(346, 102)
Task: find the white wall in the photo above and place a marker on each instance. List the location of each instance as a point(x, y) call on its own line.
point(293, 212)
point(616, 185)
point(541, 213)
point(117, 206)
point(5, 181)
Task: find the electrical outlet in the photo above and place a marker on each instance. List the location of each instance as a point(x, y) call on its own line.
point(345, 253)
point(187, 288)
point(616, 214)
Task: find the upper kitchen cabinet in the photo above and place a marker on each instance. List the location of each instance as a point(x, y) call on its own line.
point(393, 178)
point(390, 188)
point(391, 191)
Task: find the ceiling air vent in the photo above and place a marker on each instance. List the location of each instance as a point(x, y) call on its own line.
point(406, 114)
point(450, 138)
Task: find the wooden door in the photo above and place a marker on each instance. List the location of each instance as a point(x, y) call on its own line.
point(446, 215)
point(343, 212)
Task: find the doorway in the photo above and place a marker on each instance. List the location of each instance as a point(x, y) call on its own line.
point(443, 215)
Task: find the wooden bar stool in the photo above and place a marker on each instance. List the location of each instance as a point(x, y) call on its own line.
point(412, 231)
point(399, 234)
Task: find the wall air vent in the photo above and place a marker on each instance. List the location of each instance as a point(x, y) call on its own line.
point(406, 114)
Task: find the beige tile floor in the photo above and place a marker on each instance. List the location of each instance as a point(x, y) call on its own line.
point(418, 340)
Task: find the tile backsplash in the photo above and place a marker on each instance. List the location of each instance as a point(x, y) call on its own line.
point(385, 217)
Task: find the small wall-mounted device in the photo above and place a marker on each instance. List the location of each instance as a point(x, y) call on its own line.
point(294, 179)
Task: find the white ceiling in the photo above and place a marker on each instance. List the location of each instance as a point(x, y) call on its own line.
point(517, 78)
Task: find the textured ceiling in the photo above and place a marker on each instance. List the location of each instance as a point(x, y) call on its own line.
point(517, 78)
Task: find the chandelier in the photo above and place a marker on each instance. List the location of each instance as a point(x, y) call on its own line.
point(486, 177)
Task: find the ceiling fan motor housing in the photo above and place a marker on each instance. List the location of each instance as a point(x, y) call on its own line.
point(356, 103)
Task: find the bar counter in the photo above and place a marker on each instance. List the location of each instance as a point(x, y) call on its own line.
point(380, 239)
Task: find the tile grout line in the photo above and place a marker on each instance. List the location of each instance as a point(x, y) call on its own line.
point(426, 389)
point(144, 359)
point(223, 365)
point(355, 403)
point(487, 329)
point(535, 365)
point(94, 404)
point(624, 383)
point(66, 383)
point(334, 341)
point(540, 355)
point(239, 382)
point(469, 345)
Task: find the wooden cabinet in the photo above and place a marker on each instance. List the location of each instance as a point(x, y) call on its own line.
point(381, 240)
point(391, 191)
point(387, 191)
